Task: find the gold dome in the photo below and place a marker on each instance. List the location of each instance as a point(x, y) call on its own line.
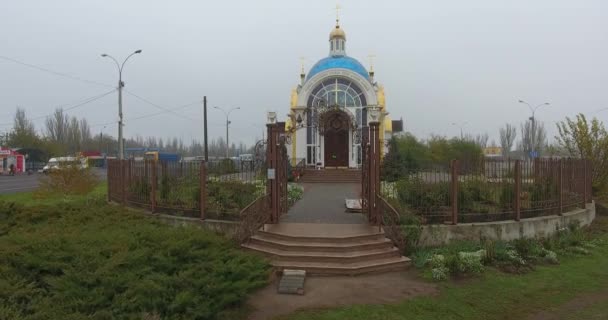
point(337, 32)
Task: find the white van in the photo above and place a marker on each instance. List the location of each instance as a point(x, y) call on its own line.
point(62, 162)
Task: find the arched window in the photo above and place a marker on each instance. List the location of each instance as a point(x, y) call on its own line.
point(338, 92)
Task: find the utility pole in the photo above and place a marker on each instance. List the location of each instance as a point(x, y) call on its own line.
point(121, 145)
point(205, 128)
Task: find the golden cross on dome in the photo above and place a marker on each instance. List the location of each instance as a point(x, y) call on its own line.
point(302, 59)
point(371, 61)
point(338, 13)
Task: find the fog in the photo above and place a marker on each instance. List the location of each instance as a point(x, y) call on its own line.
point(439, 61)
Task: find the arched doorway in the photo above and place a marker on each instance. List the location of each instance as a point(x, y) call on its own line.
point(335, 138)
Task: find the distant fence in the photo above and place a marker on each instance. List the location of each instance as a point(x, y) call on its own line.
point(491, 190)
point(214, 190)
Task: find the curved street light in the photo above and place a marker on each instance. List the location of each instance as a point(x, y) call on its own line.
point(121, 84)
point(227, 114)
point(460, 125)
point(533, 119)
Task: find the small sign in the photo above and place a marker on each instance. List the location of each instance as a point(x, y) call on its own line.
point(533, 154)
point(271, 174)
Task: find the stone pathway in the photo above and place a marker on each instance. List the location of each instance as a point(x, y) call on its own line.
point(324, 203)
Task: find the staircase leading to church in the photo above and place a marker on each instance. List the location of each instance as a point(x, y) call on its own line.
point(323, 249)
point(331, 176)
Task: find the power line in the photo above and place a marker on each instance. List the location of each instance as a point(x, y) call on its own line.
point(80, 103)
point(61, 74)
point(149, 115)
point(157, 106)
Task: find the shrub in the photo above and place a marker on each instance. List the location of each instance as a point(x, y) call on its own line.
point(294, 193)
point(140, 186)
point(67, 181)
point(76, 261)
point(470, 262)
point(417, 194)
point(507, 196)
point(229, 197)
point(527, 248)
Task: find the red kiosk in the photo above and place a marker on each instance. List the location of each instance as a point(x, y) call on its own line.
point(9, 156)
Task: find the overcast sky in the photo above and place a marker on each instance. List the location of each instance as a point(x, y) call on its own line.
point(440, 61)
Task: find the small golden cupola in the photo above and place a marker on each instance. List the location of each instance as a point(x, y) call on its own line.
point(337, 41)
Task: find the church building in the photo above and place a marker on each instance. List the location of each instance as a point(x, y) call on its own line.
point(330, 106)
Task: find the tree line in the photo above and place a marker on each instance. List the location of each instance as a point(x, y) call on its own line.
point(64, 135)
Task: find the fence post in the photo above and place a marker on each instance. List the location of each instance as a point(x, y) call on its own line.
point(585, 178)
point(153, 184)
point(110, 173)
point(123, 190)
point(517, 176)
point(454, 177)
point(203, 188)
point(560, 183)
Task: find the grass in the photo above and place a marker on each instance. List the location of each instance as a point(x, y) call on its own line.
point(497, 295)
point(78, 257)
point(31, 198)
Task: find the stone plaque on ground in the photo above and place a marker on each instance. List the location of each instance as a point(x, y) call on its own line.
point(353, 205)
point(292, 282)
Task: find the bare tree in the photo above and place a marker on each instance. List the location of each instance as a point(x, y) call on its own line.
point(533, 137)
point(508, 133)
point(57, 126)
point(85, 134)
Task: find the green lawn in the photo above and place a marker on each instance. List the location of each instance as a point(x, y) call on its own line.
point(496, 295)
point(31, 199)
point(79, 257)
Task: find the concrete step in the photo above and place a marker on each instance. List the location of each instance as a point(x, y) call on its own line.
point(324, 256)
point(355, 268)
point(320, 246)
point(351, 238)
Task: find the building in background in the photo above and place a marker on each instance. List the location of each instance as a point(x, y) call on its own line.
point(331, 105)
point(9, 156)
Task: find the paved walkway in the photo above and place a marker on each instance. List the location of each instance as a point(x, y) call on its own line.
point(324, 203)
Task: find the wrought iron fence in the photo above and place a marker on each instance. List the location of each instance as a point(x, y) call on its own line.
point(214, 190)
point(491, 190)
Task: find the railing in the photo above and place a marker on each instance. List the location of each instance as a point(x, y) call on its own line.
point(298, 170)
point(391, 219)
point(215, 190)
point(253, 217)
point(491, 190)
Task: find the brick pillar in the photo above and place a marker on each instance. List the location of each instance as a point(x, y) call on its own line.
point(271, 159)
point(365, 170)
point(374, 177)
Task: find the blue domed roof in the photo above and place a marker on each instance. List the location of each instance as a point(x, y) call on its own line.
point(333, 62)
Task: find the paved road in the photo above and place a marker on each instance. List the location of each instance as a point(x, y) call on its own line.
point(24, 182)
point(18, 183)
point(324, 203)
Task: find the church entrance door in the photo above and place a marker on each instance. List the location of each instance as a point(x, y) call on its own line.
point(336, 141)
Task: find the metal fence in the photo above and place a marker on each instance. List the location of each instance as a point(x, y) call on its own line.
point(491, 190)
point(214, 190)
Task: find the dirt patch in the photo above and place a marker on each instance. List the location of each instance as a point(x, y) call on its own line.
point(572, 306)
point(326, 292)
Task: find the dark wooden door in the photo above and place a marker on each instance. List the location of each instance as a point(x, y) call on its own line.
point(336, 148)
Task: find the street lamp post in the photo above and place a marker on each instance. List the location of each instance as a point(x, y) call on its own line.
point(460, 125)
point(227, 114)
point(121, 84)
point(533, 120)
